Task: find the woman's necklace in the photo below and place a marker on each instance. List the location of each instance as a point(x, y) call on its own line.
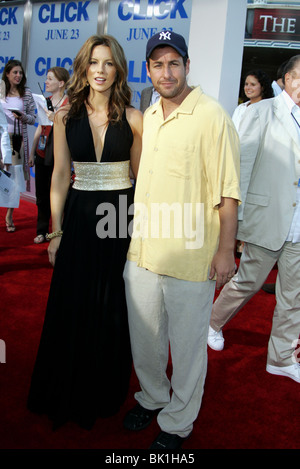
point(57, 104)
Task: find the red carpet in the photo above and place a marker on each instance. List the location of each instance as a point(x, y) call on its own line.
point(243, 406)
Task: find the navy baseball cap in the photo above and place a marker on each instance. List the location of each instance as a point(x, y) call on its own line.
point(167, 38)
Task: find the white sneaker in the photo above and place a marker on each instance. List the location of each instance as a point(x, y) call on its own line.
point(215, 339)
point(292, 371)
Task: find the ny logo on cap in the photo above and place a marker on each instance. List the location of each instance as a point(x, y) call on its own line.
point(165, 35)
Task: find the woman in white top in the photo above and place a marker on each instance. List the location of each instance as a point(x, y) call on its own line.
point(257, 86)
point(19, 108)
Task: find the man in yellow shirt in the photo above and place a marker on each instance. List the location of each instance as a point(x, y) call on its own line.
point(183, 238)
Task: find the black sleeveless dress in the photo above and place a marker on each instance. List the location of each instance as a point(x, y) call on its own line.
point(83, 365)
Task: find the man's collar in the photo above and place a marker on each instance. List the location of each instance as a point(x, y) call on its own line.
point(187, 105)
point(288, 100)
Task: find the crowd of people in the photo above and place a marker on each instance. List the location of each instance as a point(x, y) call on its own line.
point(138, 291)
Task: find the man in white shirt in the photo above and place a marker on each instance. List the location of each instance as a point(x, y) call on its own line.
point(269, 223)
point(277, 84)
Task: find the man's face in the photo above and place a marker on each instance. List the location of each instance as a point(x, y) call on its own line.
point(167, 72)
point(292, 84)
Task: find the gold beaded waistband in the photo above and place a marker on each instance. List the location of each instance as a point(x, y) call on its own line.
point(102, 176)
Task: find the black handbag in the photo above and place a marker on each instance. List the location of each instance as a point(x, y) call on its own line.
point(49, 158)
point(17, 138)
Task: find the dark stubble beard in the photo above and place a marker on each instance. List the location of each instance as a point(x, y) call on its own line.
point(172, 93)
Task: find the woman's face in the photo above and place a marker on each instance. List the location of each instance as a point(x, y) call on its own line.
point(253, 89)
point(101, 71)
point(15, 76)
point(52, 83)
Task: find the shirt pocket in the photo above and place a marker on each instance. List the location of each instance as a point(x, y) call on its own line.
point(257, 199)
point(180, 161)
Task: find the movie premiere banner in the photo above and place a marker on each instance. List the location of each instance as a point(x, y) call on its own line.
point(134, 22)
point(11, 32)
point(58, 31)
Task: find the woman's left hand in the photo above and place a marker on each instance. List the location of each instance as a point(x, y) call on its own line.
point(31, 161)
point(52, 249)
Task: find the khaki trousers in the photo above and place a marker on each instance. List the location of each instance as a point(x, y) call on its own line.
point(255, 265)
point(164, 311)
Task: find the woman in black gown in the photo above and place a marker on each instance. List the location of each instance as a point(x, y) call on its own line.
point(83, 364)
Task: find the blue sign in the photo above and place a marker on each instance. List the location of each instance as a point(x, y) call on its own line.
point(64, 12)
point(158, 9)
point(58, 30)
point(11, 31)
point(133, 22)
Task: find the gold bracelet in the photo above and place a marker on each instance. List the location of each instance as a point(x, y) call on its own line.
point(55, 234)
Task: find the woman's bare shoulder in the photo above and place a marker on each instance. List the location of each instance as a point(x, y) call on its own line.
point(134, 116)
point(61, 113)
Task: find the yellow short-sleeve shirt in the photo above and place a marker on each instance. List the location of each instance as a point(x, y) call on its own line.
point(189, 161)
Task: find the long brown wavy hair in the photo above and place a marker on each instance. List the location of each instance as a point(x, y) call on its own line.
point(8, 67)
point(78, 92)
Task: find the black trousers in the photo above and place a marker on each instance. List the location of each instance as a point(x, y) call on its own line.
point(43, 176)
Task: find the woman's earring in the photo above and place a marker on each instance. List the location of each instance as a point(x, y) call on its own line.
point(87, 83)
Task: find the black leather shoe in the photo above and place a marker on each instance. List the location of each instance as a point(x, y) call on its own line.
point(139, 418)
point(167, 441)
